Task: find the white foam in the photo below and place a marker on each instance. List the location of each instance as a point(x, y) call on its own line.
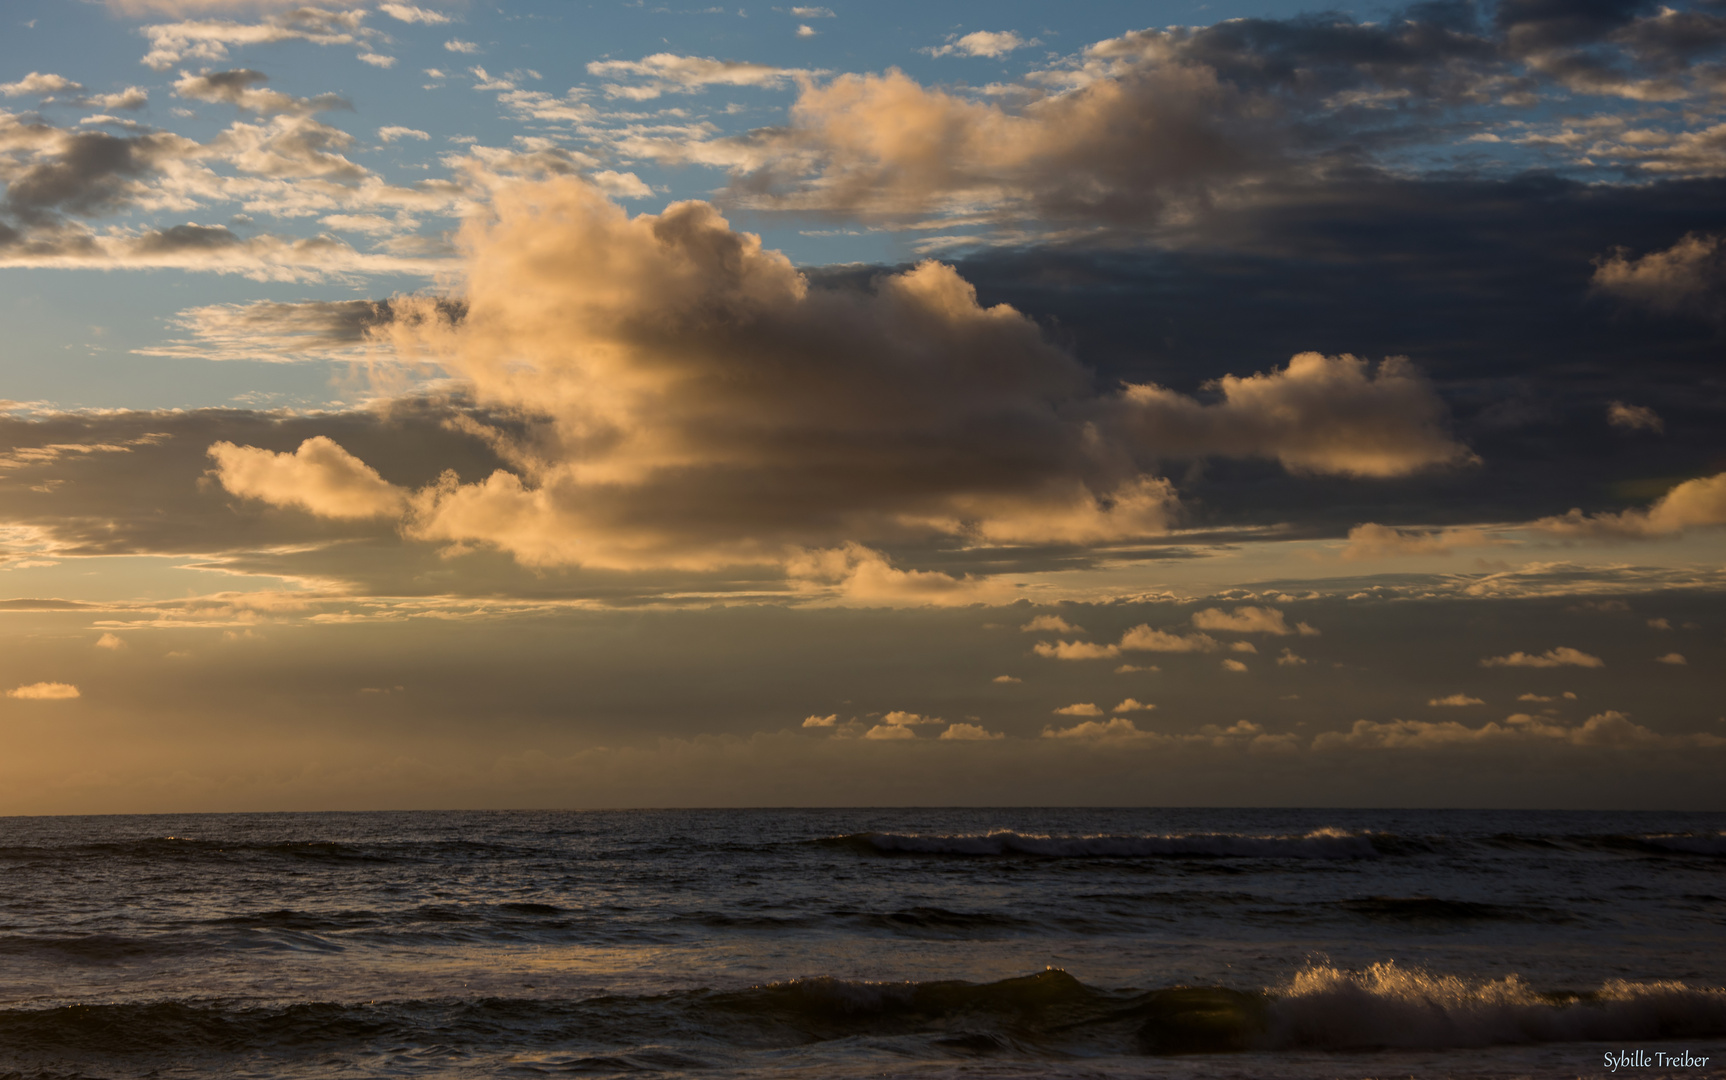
point(1689, 843)
point(1319, 844)
point(1325, 1007)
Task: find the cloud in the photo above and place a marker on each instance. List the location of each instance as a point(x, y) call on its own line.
point(1234, 665)
point(813, 13)
point(457, 45)
point(1609, 729)
point(37, 84)
point(990, 43)
point(1083, 709)
point(1076, 650)
point(408, 13)
point(133, 97)
point(173, 43)
point(1671, 658)
point(1697, 503)
point(1687, 278)
point(970, 733)
point(1456, 700)
point(669, 73)
point(112, 642)
point(1053, 624)
point(1563, 656)
point(243, 89)
point(830, 720)
point(1321, 414)
point(1634, 417)
point(1290, 658)
point(1243, 647)
point(807, 31)
point(1244, 620)
point(1114, 729)
point(1142, 638)
point(889, 731)
point(1370, 541)
point(392, 133)
point(1006, 680)
point(319, 477)
point(1132, 705)
point(899, 718)
point(1546, 698)
point(44, 691)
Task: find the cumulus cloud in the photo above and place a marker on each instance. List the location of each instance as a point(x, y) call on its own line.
point(669, 73)
point(1234, 665)
point(133, 97)
point(1671, 658)
point(1290, 658)
point(1693, 504)
point(1076, 650)
point(830, 720)
point(1247, 620)
point(989, 43)
point(1053, 624)
point(1563, 656)
point(900, 718)
point(44, 691)
point(37, 84)
point(457, 45)
point(319, 477)
point(889, 731)
point(1142, 638)
point(111, 642)
point(1456, 700)
point(1687, 278)
point(1132, 705)
point(1321, 414)
point(1609, 729)
point(970, 733)
point(1116, 728)
point(1082, 709)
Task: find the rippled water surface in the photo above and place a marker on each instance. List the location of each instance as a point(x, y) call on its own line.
point(978, 943)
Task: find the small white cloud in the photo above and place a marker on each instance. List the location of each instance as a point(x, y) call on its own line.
point(1634, 417)
point(378, 60)
point(809, 31)
point(989, 43)
point(394, 132)
point(37, 84)
point(457, 45)
point(1290, 658)
point(410, 14)
point(1563, 656)
point(44, 691)
point(1457, 700)
point(1128, 669)
point(970, 733)
point(889, 731)
point(1132, 705)
point(1005, 679)
point(1243, 646)
point(1233, 665)
point(621, 185)
point(1659, 624)
point(1118, 727)
point(111, 641)
point(813, 13)
point(1082, 709)
point(1053, 624)
point(1671, 658)
point(896, 718)
point(831, 720)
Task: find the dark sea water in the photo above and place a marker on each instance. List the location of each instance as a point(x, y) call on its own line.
point(853, 943)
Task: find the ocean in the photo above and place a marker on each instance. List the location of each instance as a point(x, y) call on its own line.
point(865, 943)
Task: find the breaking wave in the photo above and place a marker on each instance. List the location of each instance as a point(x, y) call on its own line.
point(1318, 844)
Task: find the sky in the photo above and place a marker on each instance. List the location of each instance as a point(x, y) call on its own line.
point(569, 405)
